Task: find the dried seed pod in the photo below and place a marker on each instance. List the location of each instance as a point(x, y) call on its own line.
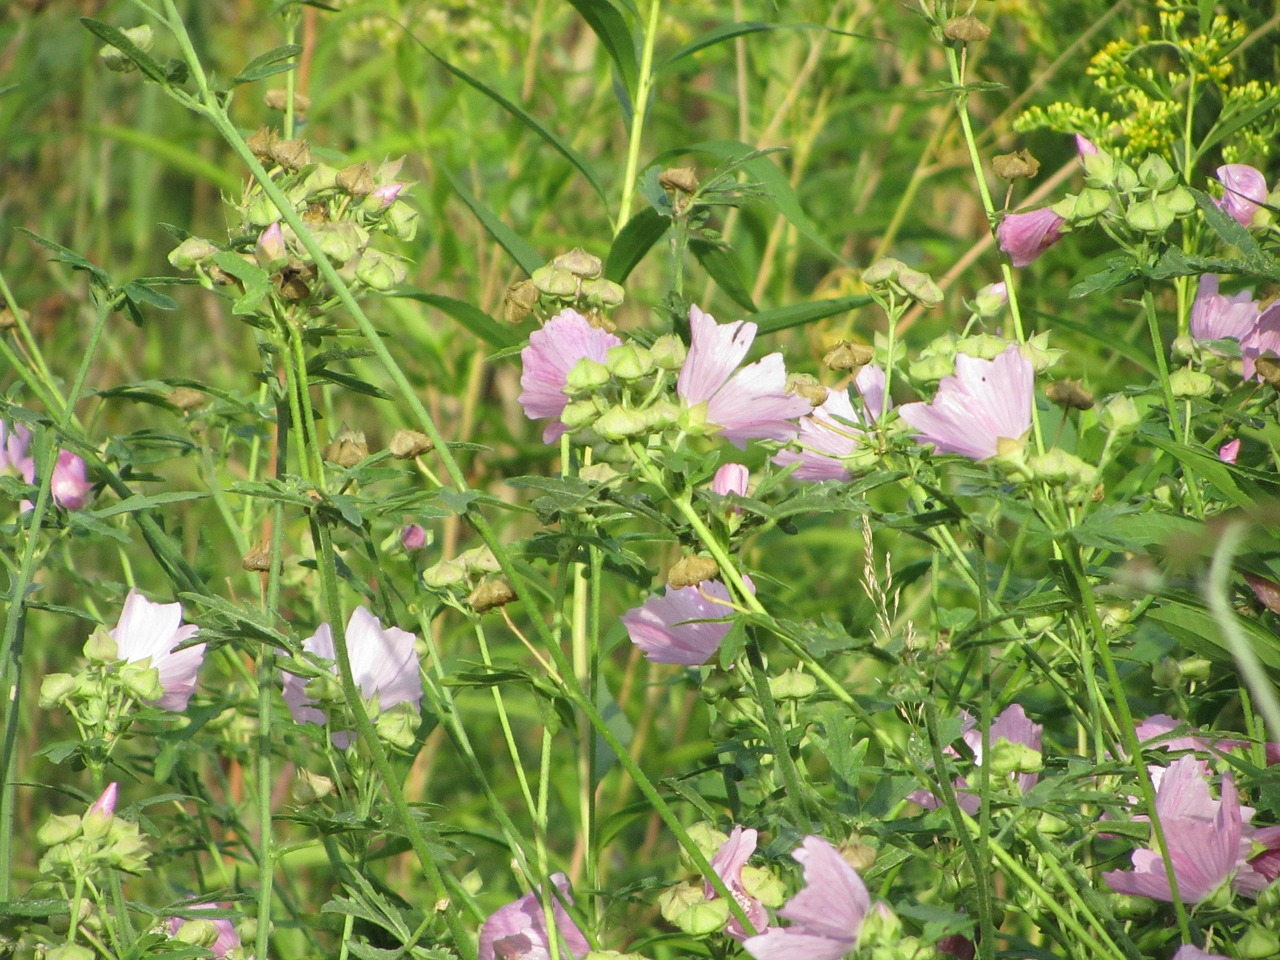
point(682, 179)
point(262, 142)
point(186, 399)
point(407, 444)
point(520, 299)
point(806, 385)
point(258, 559)
point(347, 449)
point(847, 355)
point(491, 594)
point(356, 180)
point(688, 571)
point(291, 154)
point(278, 99)
point(966, 29)
point(1069, 393)
point(1013, 166)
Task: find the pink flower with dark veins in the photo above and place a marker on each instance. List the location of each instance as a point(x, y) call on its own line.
point(683, 626)
point(826, 916)
point(552, 352)
point(836, 429)
point(1026, 235)
point(518, 931)
point(153, 631)
point(384, 664)
point(986, 401)
point(728, 863)
point(751, 403)
point(1244, 188)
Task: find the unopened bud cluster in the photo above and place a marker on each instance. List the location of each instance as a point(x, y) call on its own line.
point(1146, 200)
point(572, 280)
point(343, 209)
point(474, 573)
point(79, 846)
point(99, 696)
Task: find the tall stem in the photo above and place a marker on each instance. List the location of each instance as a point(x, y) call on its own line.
point(639, 110)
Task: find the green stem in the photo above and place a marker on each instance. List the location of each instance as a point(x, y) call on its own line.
point(639, 109)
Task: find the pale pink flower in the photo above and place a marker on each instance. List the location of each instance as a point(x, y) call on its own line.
point(1190, 951)
point(731, 478)
point(227, 939)
point(1085, 147)
point(1243, 189)
point(270, 251)
point(728, 863)
point(384, 665)
point(69, 487)
point(746, 404)
point(1026, 235)
point(518, 931)
point(1011, 725)
point(1229, 452)
point(986, 401)
point(413, 537)
point(387, 193)
point(826, 916)
point(105, 805)
point(1202, 835)
point(15, 444)
point(835, 430)
point(1262, 340)
point(683, 626)
point(1215, 316)
point(153, 631)
point(552, 352)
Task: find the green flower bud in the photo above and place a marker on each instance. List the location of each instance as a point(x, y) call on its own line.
point(1179, 201)
point(58, 829)
point(693, 420)
point(70, 951)
point(676, 901)
point(606, 293)
point(764, 885)
point(930, 369)
point(380, 271)
point(402, 220)
point(1149, 216)
point(920, 286)
point(1120, 415)
point(581, 413)
point(200, 933)
point(398, 727)
point(1187, 383)
point(662, 414)
point(629, 361)
point(446, 573)
point(619, 423)
point(1126, 178)
point(669, 352)
point(1090, 204)
point(706, 838)
point(128, 852)
point(479, 560)
point(555, 282)
point(321, 178)
point(579, 263)
point(982, 345)
point(261, 212)
point(101, 646)
point(1258, 943)
point(1051, 826)
point(1009, 758)
point(885, 270)
point(114, 59)
point(1156, 173)
point(1099, 169)
point(587, 377)
point(700, 919)
point(1058, 467)
point(792, 685)
point(340, 241)
point(142, 680)
point(55, 688)
point(1196, 668)
point(191, 252)
point(309, 787)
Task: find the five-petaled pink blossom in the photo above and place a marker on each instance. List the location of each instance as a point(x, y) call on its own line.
point(552, 352)
point(1202, 835)
point(1244, 188)
point(518, 931)
point(384, 664)
point(683, 626)
point(728, 863)
point(1026, 235)
point(836, 429)
point(1012, 725)
point(227, 938)
point(1215, 316)
point(986, 401)
point(746, 404)
point(153, 631)
point(826, 916)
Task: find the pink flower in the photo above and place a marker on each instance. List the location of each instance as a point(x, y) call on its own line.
point(1229, 452)
point(1262, 340)
point(387, 194)
point(684, 625)
point(728, 863)
point(1268, 594)
point(153, 631)
point(1202, 834)
point(413, 537)
point(1013, 726)
point(1215, 316)
point(1026, 235)
point(15, 442)
point(69, 487)
point(751, 403)
point(227, 939)
point(1191, 952)
point(1085, 147)
point(731, 478)
point(383, 663)
point(105, 805)
point(552, 352)
point(836, 429)
point(825, 916)
point(985, 402)
point(1243, 189)
point(518, 931)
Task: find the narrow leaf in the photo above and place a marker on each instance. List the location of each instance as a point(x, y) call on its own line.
point(799, 314)
point(521, 251)
point(470, 317)
point(633, 241)
point(725, 268)
point(115, 37)
point(140, 502)
point(268, 64)
point(610, 26)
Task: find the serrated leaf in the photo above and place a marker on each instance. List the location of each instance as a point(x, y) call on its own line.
point(1116, 269)
point(632, 243)
point(521, 251)
point(268, 64)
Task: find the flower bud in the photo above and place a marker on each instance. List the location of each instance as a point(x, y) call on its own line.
point(380, 271)
point(674, 901)
point(884, 270)
point(384, 196)
point(479, 560)
point(402, 221)
point(270, 250)
point(55, 688)
point(69, 951)
point(1070, 394)
point(347, 449)
point(731, 478)
point(398, 727)
point(519, 301)
point(191, 252)
point(1008, 758)
point(604, 293)
point(661, 414)
point(792, 685)
point(142, 680)
point(688, 571)
point(764, 885)
point(407, 444)
point(669, 352)
point(554, 281)
point(1258, 943)
point(579, 263)
point(619, 423)
point(990, 300)
point(586, 377)
point(309, 787)
point(700, 918)
point(706, 838)
point(1155, 172)
point(1167, 674)
point(847, 355)
point(598, 473)
point(491, 594)
point(629, 362)
point(341, 241)
point(1187, 383)
point(413, 537)
point(58, 829)
point(1149, 216)
point(1120, 415)
point(931, 368)
point(101, 646)
point(115, 59)
point(581, 413)
point(1016, 165)
point(445, 573)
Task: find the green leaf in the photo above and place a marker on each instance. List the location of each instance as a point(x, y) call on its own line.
point(559, 145)
point(725, 269)
point(1202, 464)
point(140, 502)
point(140, 292)
point(610, 26)
point(354, 384)
point(726, 31)
point(1230, 231)
point(521, 251)
point(177, 154)
point(799, 314)
point(268, 64)
point(1105, 274)
point(115, 37)
point(256, 281)
point(1195, 628)
point(68, 256)
point(470, 317)
point(633, 241)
